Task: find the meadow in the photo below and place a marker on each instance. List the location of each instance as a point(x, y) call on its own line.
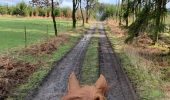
point(12, 30)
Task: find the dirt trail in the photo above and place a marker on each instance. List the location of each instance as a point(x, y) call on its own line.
point(56, 82)
point(110, 67)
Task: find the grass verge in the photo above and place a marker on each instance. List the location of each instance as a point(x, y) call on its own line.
point(145, 80)
point(89, 72)
point(19, 92)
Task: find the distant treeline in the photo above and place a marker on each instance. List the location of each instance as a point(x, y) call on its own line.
point(107, 11)
point(26, 10)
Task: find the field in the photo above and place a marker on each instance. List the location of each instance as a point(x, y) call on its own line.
point(12, 30)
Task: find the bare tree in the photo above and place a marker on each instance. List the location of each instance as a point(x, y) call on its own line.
point(53, 17)
point(75, 7)
point(40, 3)
point(90, 4)
point(82, 12)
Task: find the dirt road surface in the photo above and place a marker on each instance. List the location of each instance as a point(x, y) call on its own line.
point(119, 85)
point(56, 82)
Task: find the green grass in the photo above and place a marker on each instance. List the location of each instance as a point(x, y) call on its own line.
point(146, 82)
point(89, 72)
point(12, 30)
point(22, 89)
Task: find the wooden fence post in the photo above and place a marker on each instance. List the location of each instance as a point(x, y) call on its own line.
point(47, 31)
point(25, 28)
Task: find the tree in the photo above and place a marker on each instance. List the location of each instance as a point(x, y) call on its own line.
point(75, 7)
point(53, 17)
point(47, 3)
point(21, 9)
point(150, 15)
point(40, 3)
point(57, 12)
point(3, 10)
point(90, 4)
point(82, 15)
point(106, 10)
point(66, 11)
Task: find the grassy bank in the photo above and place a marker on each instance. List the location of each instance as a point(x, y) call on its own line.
point(89, 72)
point(42, 70)
point(144, 76)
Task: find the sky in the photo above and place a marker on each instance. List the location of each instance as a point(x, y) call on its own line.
point(64, 3)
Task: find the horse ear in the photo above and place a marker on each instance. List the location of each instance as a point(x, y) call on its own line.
point(73, 84)
point(101, 84)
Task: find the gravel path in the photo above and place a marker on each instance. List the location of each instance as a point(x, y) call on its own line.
point(56, 82)
point(120, 87)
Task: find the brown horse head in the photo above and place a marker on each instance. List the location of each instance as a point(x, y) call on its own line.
point(95, 92)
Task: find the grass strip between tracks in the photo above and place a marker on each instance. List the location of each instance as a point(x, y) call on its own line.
point(89, 72)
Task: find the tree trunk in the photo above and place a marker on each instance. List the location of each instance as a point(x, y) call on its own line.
point(117, 10)
point(120, 13)
point(53, 17)
point(82, 13)
point(87, 11)
point(74, 14)
point(127, 19)
point(87, 19)
point(87, 15)
point(158, 18)
point(127, 22)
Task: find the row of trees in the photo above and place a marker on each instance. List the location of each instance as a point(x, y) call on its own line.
point(82, 9)
point(148, 17)
point(86, 6)
point(23, 9)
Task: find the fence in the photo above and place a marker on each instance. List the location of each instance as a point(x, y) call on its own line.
point(20, 34)
point(19, 57)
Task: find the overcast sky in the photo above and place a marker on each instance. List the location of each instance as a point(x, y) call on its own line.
point(65, 2)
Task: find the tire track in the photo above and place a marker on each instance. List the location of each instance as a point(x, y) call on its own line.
point(56, 82)
point(119, 85)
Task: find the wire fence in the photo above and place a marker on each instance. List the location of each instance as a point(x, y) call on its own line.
point(21, 35)
point(26, 47)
